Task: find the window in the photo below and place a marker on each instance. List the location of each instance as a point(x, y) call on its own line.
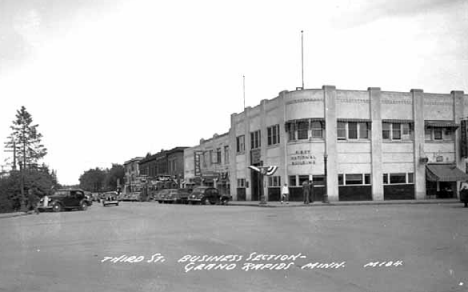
point(273, 135)
point(439, 134)
point(226, 154)
point(303, 130)
point(318, 180)
point(397, 131)
point(218, 155)
point(367, 179)
point(240, 144)
point(353, 130)
point(292, 181)
point(340, 180)
point(386, 130)
point(274, 181)
point(341, 131)
point(317, 129)
point(410, 178)
point(241, 182)
point(291, 129)
point(302, 179)
point(353, 179)
point(255, 139)
point(397, 178)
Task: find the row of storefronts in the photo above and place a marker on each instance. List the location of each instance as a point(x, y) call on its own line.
point(353, 145)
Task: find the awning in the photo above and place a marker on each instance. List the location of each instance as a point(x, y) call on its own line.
point(344, 120)
point(445, 172)
point(440, 124)
point(401, 121)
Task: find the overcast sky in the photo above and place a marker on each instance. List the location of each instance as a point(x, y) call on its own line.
point(108, 80)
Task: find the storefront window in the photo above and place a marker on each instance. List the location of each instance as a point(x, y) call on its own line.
point(410, 178)
point(353, 179)
point(367, 179)
point(397, 178)
point(340, 180)
point(292, 181)
point(302, 179)
point(319, 180)
point(385, 178)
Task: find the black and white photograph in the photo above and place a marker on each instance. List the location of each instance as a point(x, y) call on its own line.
point(157, 146)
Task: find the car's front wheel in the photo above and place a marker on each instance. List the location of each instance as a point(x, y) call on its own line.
point(83, 206)
point(205, 201)
point(225, 201)
point(57, 207)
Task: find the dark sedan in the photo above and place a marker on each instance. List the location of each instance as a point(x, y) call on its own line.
point(208, 195)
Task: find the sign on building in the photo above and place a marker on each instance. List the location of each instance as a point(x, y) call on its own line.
point(463, 139)
point(197, 156)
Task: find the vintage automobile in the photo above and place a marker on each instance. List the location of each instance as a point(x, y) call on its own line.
point(110, 198)
point(65, 199)
point(171, 196)
point(161, 195)
point(205, 195)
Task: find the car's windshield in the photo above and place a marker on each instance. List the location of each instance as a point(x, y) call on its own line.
point(198, 191)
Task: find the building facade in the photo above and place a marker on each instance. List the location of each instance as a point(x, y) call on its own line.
point(354, 145)
point(208, 163)
point(132, 175)
point(164, 163)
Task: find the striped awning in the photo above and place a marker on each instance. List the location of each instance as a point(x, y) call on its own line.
point(355, 120)
point(440, 124)
point(445, 172)
point(401, 121)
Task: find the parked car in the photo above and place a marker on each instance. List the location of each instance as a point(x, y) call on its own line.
point(65, 199)
point(110, 198)
point(172, 196)
point(205, 195)
point(161, 195)
point(184, 195)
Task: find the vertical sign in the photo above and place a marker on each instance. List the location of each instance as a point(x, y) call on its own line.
point(463, 140)
point(197, 163)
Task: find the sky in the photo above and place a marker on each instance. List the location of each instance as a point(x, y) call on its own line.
point(109, 80)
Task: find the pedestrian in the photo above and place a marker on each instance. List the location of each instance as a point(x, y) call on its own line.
point(464, 193)
point(311, 191)
point(33, 201)
point(285, 194)
point(306, 191)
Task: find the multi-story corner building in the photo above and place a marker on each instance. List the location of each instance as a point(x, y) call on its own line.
point(353, 144)
point(132, 175)
point(208, 163)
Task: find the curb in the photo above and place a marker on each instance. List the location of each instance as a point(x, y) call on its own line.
point(367, 203)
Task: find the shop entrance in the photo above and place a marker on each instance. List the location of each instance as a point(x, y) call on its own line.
point(256, 184)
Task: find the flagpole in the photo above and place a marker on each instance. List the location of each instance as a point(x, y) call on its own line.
point(302, 57)
point(243, 87)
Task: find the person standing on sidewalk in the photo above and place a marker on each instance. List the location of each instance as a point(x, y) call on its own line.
point(285, 194)
point(311, 191)
point(306, 192)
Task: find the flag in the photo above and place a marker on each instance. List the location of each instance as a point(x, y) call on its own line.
point(265, 170)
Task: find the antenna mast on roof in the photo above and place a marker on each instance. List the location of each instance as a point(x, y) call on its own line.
point(302, 57)
point(243, 86)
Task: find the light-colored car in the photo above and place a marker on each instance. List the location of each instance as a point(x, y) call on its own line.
point(110, 198)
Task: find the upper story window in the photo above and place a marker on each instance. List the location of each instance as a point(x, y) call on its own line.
point(273, 135)
point(397, 131)
point(240, 144)
point(350, 130)
point(226, 154)
point(218, 156)
point(439, 130)
point(305, 129)
point(255, 139)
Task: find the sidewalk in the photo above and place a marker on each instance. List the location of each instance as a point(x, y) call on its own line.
point(277, 204)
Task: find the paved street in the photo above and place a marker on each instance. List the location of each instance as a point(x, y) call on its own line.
point(154, 247)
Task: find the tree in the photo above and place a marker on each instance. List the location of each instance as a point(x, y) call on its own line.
point(93, 180)
point(114, 176)
point(26, 141)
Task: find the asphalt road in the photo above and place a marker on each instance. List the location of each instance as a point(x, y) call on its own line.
point(324, 248)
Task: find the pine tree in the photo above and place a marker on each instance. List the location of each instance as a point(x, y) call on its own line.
point(27, 139)
point(28, 142)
